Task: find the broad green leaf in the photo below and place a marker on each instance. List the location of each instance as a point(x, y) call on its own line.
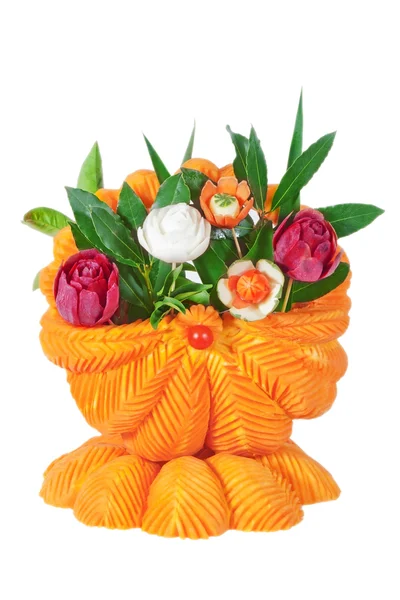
point(163, 307)
point(82, 243)
point(189, 288)
point(170, 281)
point(128, 313)
point(225, 250)
point(81, 203)
point(296, 148)
point(261, 246)
point(301, 171)
point(131, 208)
point(159, 167)
point(306, 292)
point(242, 229)
point(195, 182)
point(241, 144)
point(189, 149)
point(173, 191)
point(200, 297)
point(348, 218)
point(133, 288)
point(35, 283)
point(91, 174)
point(188, 267)
point(115, 237)
point(158, 273)
point(158, 314)
point(45, 220)
point(103, 228)
point(210, 266)
point(257, 171)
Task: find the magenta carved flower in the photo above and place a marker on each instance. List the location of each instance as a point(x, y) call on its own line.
point(86, 289)
point(306, 248)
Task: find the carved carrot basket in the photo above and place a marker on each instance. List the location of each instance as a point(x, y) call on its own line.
point(194, 401)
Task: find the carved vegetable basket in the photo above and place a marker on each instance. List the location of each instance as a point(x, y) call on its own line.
point(195, 442)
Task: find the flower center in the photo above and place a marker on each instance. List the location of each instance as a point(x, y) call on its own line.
point(251, 287)
point(225, 205)
point(200, 337)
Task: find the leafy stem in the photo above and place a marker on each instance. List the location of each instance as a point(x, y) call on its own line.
point(287, 295)
point(235, 239)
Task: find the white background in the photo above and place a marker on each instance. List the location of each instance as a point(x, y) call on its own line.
point(74, 72)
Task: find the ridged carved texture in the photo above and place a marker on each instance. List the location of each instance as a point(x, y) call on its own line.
point(187, 497)
point(168, 400)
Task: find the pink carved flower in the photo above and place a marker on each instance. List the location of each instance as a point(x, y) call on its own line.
point(306, 249)
point(86, 289)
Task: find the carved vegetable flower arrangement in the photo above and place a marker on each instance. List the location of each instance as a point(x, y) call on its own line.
point(197, 314)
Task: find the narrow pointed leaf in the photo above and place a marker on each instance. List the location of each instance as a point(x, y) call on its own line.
point(349, 218)
point(306, 292)
point(45, 220)
point(173, 191)
point(131, 208)
point(257, 171)
point(296, 148)
point(302, 170)
point(158, 273)
point(189, 149)
point(159, 167)
point(241, 144)
point(91, 174)
point(210, 266)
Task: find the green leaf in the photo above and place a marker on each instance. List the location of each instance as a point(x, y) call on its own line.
point(133, 289)
point(306, 292)
point(128, 313)
point(188, 267)
point(302, 170)
point(210, 266)
point(225, 250)
point(82, 243)
point(103, 228)
point(35, 283)
point(200, 297)
point(189, 149)
point(242, 229)
point(296, 148)
point(261, 246)
point(195, 182)
point(257, 171)
point(81, 203)
point(170, 280)
point(173, 191)
point(241, 144)
point(348, 218)
point(163, 307)
point(91, 174)
point(158, 273)
point(45, 220)
point(131, 208)
point(159, 167)
point(115, 237)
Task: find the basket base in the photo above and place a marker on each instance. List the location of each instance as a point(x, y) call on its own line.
point(188, 497)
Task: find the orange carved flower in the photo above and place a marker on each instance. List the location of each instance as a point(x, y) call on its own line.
point(227, 203)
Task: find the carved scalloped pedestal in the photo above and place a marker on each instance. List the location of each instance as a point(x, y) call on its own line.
point(195, 442)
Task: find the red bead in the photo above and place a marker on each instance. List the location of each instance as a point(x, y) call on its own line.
point(200, 337)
